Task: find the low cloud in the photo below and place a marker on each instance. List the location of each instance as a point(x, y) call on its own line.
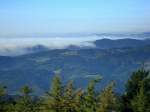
point(18, 46)
point(22, 45)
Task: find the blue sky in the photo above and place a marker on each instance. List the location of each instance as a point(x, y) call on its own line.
point(21, 17)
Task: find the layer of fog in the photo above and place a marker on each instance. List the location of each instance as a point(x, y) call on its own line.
point(21, 45)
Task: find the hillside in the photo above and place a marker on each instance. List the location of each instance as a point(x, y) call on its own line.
point(80, 65)
point(121, 43)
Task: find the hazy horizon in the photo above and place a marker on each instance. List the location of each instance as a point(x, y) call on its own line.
point(53, 17)
point(58, 24)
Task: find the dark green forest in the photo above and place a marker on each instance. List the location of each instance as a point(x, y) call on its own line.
point(67, 98)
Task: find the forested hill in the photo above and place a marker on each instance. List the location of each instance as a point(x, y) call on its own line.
point(121, 43)
point(80, 65)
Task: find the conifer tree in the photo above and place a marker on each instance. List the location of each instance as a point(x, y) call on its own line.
point(107, 100)
point(25, 102)
point(2, 91)
point(54, 99)
point(69, 102)
point(140, 102)
point(2, 94)
point(90, 99)
point(79, 101)
point(133, 87)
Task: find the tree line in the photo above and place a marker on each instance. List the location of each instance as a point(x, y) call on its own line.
point(67, 98)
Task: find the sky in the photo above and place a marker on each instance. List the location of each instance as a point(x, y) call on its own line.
point(29, 17)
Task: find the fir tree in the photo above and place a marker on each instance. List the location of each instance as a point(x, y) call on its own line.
point(69, 102)
point(140, 102)
point(107, 100)
point(54, 98)
point(25, 102)
point(2, 101)
point(133, 87)
point(79, 101)
point(90, 99)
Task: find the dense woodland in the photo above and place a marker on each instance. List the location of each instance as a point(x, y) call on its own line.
point(67, 98)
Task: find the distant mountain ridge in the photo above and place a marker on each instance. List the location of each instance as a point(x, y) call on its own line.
point(95, 44)
point(121, 43)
